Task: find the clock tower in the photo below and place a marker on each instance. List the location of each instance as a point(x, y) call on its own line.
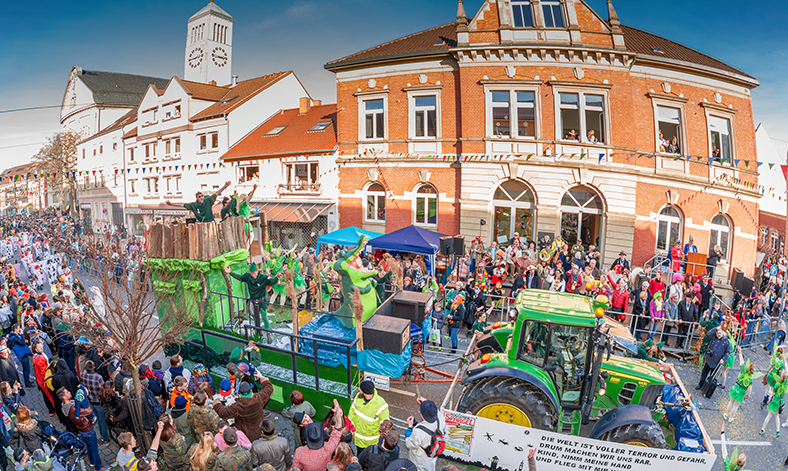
point(209, 42)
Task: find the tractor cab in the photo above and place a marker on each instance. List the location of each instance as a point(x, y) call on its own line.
point(560, 350)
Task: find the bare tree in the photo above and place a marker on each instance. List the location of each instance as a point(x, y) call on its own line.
point(59, 156)
point(131, 317)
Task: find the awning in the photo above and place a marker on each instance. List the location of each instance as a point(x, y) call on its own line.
point(293, 212)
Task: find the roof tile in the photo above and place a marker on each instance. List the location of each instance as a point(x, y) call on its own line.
point(420, 43)
point(233, 97)
point(423, 43)
point(295, 139)
point(113, 88)
point(645, 43)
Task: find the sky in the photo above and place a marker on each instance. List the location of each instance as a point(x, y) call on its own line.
point(43, 39)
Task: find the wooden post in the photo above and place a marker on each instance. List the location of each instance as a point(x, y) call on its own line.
point(264, 227)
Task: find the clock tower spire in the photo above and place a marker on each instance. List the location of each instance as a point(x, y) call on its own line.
point(209, 41)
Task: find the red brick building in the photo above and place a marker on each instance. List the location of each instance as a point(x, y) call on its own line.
point(543, 117)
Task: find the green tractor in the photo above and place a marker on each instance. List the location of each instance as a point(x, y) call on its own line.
point(552, 369)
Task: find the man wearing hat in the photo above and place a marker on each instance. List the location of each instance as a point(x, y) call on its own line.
point(234, 457)
point(621, 263)
point(248, 411)
point(650, 351)
point(366, 414)
point(315, 455)
point(419, 435)
point(257, 284)
point(202, 207)
point(226, 396)
point(299, 406)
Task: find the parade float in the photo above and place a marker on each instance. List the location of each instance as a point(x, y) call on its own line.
point(319, 353)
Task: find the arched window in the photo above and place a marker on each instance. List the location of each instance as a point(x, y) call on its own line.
point(376, 202)
point(426, 205)
point(581, 216)
point(720, 234)
point(669, 228)
point(515, 208)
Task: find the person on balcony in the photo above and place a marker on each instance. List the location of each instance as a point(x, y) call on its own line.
point(203, 206)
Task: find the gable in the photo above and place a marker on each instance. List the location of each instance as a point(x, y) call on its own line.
point(588, 19)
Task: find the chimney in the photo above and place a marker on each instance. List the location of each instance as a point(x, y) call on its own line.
point(234, 82)
point(317, 102)
point(212, 82)
point(304, 104)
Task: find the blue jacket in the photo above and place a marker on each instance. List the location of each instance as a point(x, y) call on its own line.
point(17, 342)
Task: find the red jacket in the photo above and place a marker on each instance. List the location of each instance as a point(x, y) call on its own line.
point(620, 299)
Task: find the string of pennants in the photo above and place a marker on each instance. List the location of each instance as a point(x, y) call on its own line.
point(599, 156)
point(434, 157)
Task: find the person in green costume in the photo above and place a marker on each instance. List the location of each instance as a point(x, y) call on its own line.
point(232, 205)
point(650, 351)
point(731, 358)
point(257, 284)
point(735, 461)
point(742, 389)
point(203, 206)
point(354, 275)
point(776, 403)
point(774, 373)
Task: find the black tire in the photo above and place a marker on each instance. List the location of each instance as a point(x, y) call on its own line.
point(512, 391)
point(649, 435)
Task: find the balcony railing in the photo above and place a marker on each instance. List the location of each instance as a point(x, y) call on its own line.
point(299, 189)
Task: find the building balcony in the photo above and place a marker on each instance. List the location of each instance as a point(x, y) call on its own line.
point(311, 189)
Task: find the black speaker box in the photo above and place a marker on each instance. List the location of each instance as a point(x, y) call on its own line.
point(745, 287)
point(459, 245)
point(387, 334)
point(736, 278)
point(411, 305)
point(447, 245)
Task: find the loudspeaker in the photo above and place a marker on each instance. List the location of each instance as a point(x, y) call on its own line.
point(386, 334)
point(745, 285)
point(447, 245)
point(411, 305)
point(459, 245)
point(737, 278)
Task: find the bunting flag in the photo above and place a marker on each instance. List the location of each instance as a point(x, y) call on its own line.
point(601, 156)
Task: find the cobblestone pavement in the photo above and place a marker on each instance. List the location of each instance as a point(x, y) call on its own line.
point(764, 452)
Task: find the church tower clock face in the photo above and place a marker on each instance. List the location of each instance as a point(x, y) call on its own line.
point(219, 56)
point(195, 58)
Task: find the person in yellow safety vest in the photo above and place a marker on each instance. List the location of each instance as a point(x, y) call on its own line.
point(366, 414)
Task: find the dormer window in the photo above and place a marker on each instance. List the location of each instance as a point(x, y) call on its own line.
point(553, 16)
point(522, 14)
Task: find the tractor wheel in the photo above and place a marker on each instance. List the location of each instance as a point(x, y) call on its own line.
point(509, 400)
point(645, 435)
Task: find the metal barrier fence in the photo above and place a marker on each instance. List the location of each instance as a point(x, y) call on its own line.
point(294, 352)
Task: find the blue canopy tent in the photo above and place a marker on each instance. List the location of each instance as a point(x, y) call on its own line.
point(345, 236)
point(411, 239)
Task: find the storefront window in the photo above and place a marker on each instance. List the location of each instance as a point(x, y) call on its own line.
point(514, 211)
point(720, 234)
point(581, 216)
point(668, 228)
